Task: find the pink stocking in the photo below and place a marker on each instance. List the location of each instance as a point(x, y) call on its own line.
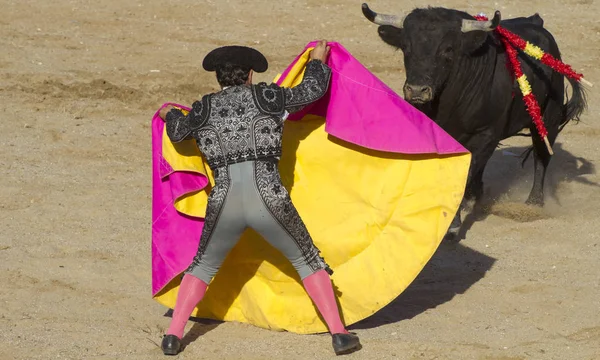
point(319, 288)
point(191, 291)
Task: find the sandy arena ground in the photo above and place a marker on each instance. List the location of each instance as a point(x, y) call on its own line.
point(78, 87)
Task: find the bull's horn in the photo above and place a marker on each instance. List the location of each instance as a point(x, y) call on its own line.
point(382, 19)
point(471, 25)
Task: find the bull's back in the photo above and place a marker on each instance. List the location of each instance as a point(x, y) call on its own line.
point(535, 19)
point(542, 79)
point(533, 31)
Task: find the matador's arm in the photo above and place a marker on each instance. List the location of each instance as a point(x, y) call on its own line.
point(180, 126)
point(313, 86)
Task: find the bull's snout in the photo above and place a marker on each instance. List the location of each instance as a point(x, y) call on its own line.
point(417, 93)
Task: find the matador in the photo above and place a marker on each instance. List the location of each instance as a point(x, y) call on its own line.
point(239, 131)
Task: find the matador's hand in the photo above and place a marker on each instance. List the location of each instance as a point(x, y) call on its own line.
point(320, 52)
point(163, 112)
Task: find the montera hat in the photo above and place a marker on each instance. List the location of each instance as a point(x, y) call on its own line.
point(235, 55)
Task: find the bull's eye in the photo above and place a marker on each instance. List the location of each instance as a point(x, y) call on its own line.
point(447, 53)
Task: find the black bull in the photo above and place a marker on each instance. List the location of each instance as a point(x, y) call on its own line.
point(456, 73)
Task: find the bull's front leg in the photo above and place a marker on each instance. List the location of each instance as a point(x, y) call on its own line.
point(475, 190)
point(473, 193)
point(456, 224)
point(481, 146)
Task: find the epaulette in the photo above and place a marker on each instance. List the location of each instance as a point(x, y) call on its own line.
point(269, 99)
point(199, 113)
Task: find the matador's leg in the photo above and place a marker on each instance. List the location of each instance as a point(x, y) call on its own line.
point(224, 223)
point(270, 211)
point(274, 216)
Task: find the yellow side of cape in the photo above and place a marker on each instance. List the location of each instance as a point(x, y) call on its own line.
point(376, 217)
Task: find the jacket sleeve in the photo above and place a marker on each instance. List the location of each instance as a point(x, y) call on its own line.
point(180, 127)
point(313, 86)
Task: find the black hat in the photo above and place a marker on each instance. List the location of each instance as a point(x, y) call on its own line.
point(236, 55)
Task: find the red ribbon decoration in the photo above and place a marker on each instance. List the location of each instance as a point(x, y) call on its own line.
point(531, 103)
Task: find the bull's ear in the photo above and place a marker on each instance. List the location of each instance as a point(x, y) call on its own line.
point(391, 35)
point(473, 41)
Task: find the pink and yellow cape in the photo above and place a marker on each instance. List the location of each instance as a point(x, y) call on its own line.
point(376, 182)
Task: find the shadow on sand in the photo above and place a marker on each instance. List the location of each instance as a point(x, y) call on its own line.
point(452, 270)
point(506, 176)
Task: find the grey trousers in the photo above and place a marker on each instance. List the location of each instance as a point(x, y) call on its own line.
point(250, 194)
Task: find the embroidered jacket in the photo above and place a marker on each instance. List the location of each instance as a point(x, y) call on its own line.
point(242, 123)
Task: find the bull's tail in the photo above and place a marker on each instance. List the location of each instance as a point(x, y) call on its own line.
point(575, 106)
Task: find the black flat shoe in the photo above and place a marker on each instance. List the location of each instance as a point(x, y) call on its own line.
point(345, 343)
point(171, 345)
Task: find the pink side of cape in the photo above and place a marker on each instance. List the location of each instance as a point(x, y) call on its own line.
point(175, 236)
point(358, 108)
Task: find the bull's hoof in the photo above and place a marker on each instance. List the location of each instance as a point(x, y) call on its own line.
point(452, 235)
point(535, 201)
point(454, 228)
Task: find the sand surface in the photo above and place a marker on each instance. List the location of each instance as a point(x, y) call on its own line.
point(79, 82)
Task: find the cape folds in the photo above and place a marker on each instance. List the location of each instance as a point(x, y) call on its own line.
point(376, 182)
